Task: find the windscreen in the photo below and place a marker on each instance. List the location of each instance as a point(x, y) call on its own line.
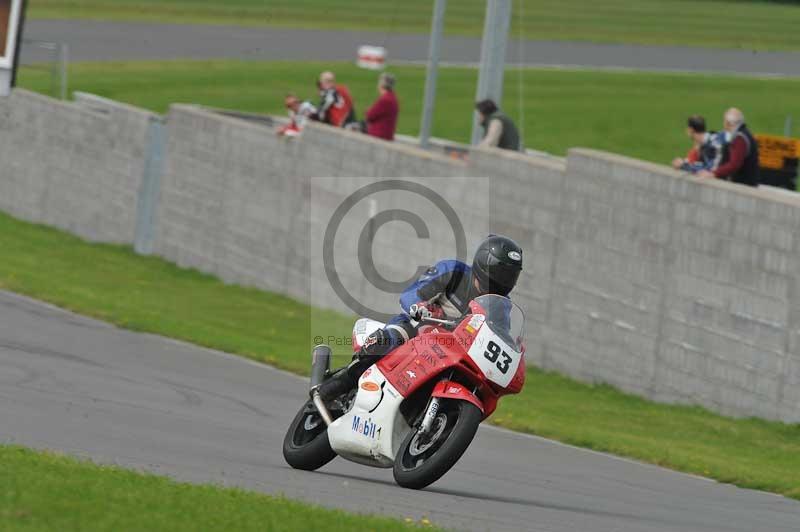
point(505, 318)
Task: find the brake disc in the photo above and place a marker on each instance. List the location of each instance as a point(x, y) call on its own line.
point(417, 447)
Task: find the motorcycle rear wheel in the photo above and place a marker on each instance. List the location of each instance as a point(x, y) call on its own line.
point(306, 444)
point(421, 461)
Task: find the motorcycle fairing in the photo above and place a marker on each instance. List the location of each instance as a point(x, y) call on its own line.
point(497, 359)
point(413, 364)
point(371, 432)
point(454, 390)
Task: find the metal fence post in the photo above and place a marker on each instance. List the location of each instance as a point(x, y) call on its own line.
point(433, 71)
point(63, 55)
point(149, 190)
point(59, 58)
point(493, 58)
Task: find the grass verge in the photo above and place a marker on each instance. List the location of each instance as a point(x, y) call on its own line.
point(756, 24)
point(149, 294)
point(637, 114)
point(46, 491)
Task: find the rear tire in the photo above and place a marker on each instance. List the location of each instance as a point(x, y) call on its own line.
point(306, 444)
point(420, 461)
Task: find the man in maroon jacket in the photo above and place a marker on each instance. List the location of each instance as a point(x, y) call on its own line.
point(382, 116)
point(740, 163)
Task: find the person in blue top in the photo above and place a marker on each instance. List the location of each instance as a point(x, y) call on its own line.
point(443, 291)
point(708, 151)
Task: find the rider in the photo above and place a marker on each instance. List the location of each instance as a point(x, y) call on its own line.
point(444, 291)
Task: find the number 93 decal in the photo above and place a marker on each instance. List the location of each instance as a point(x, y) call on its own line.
point(493, 351)
point(497, 360)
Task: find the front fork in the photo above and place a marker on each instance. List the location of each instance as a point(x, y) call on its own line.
point(430, 415)
point(430, 412)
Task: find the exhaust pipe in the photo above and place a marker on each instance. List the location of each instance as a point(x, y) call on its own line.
point(320, 366)
point(321, 408)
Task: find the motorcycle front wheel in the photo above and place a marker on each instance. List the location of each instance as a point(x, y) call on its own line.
point(424, 459)
point(306, 444)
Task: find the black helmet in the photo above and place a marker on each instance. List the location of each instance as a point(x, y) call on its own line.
point(497, 264)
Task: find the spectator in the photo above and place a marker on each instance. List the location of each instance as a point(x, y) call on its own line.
point(696, 124)
point(707, 150)
point(336, 104)
point(741, 157)
point(381, 118)
point(299, 114)
point(498, 129)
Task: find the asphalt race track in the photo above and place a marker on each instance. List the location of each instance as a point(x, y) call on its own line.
point(81, 386)
point(124, 41)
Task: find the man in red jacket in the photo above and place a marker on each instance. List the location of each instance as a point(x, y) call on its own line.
point(740, 163)
point(382, 116)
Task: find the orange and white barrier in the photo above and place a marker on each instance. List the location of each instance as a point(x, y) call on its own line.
point(371, 57)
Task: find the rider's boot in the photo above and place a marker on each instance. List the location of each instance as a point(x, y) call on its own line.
point(338, 384)
point(375, 346)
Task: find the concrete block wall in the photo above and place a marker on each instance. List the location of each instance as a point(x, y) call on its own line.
point(609, 271)
point(729, 301)
point(242, 203)
point(70, 166)
point(674, 288)
point(526, 198)
point(677, 289)
point(230, 206)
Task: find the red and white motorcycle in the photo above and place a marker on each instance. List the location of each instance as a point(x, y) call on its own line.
point(418, 408)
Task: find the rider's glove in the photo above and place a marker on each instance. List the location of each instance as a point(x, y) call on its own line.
point(421, 310)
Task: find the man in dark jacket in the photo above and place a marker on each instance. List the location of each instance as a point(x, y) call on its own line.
point(498, 129)
point(381, 118)
point(741, 160)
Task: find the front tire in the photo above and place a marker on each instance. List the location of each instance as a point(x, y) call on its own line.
point(422, 461)
point(306, 444)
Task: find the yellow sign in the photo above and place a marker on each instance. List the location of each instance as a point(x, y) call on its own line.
point(772, 150)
